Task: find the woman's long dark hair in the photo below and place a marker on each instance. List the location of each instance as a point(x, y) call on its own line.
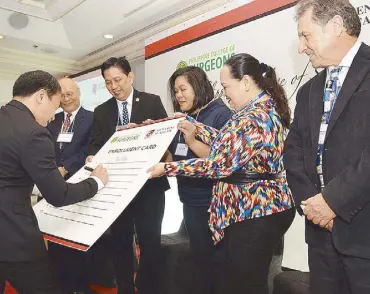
point(198, 80)
point(265, 77)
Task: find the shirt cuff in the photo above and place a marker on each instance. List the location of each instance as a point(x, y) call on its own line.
point(99, 182)
point(36, 191)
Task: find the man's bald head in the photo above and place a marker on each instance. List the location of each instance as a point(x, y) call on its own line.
point(70, 95)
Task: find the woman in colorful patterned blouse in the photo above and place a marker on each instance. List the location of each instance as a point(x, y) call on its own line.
point(251, 207)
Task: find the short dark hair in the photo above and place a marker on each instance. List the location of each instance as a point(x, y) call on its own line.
point(265, 77)
point(33, 81)
point(200, 83)
point(325, 10)
point(120, 62)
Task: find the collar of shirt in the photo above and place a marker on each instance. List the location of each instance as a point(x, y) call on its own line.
point(346, 62)
point(74, 113)
point(129, 101)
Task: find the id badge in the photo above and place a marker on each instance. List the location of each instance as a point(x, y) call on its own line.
point(322, 137)
point(323, 128)
point(182, 149)
point(65, 138)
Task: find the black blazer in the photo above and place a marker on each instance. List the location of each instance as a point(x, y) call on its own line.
point(346, 158)
point(27, 158)
point(72, 155)
point(144, 106)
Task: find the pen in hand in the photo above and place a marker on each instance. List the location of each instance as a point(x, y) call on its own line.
point(88, 168)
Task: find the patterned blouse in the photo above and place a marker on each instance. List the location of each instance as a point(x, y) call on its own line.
point(252, 140)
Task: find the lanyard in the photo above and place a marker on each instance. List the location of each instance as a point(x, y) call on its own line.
point(204, 107)
point(254, 100)
point(196, 118)
point(119, 120)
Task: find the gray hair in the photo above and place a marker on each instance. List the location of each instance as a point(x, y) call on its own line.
point(325, 10)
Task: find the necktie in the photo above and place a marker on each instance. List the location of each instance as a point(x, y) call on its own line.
point(67, 123)
point(124, 114)
point(332, 89)
point(66, 126)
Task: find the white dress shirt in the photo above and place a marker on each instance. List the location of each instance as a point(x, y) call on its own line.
point(346, 63)
point(72, 118)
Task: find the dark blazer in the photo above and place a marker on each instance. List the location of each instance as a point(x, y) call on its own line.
point(72, 155)
point(346, 158)
point(27, 158)
point(144, 106)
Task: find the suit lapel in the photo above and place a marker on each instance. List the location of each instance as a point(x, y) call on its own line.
point(135, 104)
point(359, 68)
point(316, 107)
point(112, 114)
point(78, 119)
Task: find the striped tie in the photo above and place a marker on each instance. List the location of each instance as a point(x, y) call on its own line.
point(124, 114)
point(332, 89)
point(67, 123)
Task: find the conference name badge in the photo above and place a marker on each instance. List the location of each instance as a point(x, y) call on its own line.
point(65, 138)
point(182, 149)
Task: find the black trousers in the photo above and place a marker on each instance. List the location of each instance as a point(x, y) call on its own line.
point(71, 267)
point(245, 253)
point(144, 215)
point(334, 273)
point(201, 245)
point(33, 277)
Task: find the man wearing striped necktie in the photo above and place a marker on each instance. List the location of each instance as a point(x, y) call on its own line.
point(327, 153)
point(145, 213)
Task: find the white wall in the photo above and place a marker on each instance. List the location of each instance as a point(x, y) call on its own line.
point(138, 68)
point(6, 89)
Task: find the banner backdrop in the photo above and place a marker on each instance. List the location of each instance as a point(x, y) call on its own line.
point(265, 29)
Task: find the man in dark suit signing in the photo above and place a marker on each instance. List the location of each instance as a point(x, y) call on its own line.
point(71, 131)
point(26, 158)
point(327, 154)
point(145, 213)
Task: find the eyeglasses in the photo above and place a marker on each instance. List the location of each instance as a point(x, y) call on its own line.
point(67, 95)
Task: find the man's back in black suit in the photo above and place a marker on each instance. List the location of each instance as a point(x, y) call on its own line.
point(146, 210)
point(26, 158)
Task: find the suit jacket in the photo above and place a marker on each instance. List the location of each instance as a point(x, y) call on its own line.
point(346, 158)
point(72, 155)
point(26, 158)
point(144, 106)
